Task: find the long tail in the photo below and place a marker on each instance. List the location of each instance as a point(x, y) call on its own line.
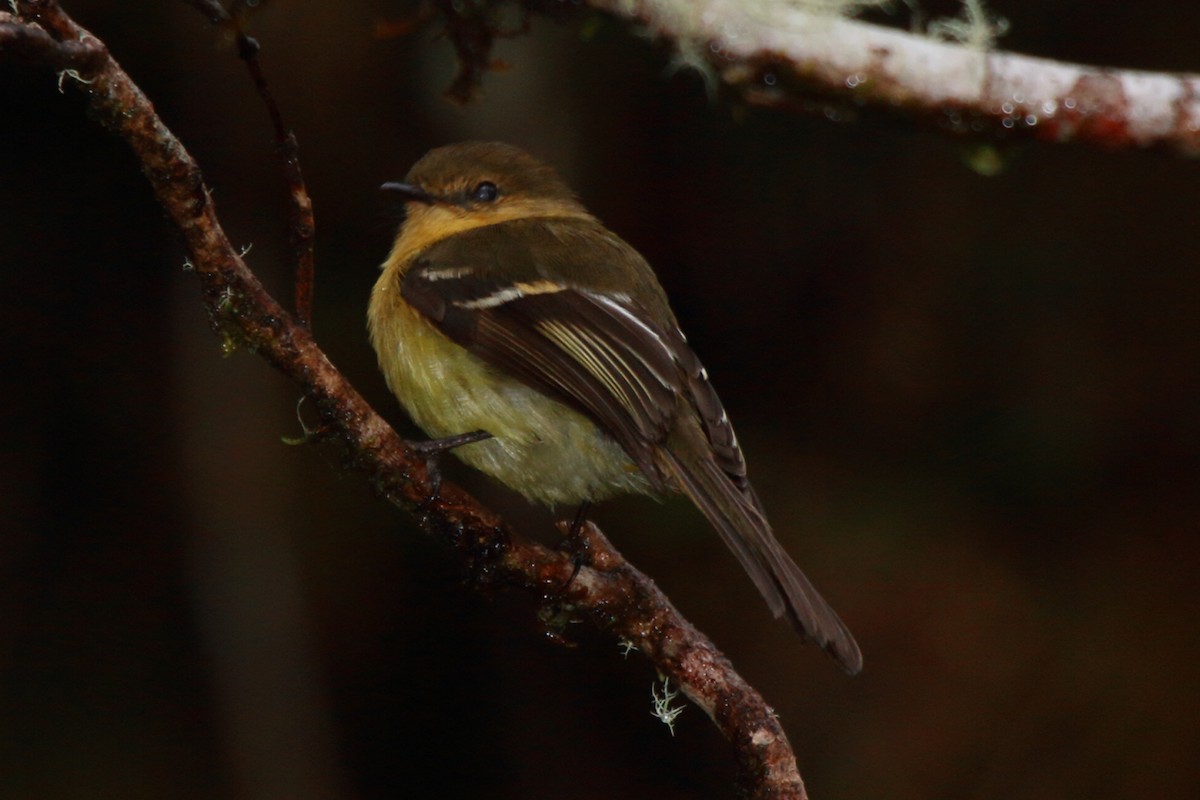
point(739, 519)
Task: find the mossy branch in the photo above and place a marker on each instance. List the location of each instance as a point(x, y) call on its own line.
point(808, 55)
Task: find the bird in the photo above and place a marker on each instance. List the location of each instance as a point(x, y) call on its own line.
point(507, 309)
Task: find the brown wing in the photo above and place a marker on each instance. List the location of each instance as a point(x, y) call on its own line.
point(595, 354)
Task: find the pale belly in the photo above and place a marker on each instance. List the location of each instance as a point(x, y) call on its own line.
point(541, 448)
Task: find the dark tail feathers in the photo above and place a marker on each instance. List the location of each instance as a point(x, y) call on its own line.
point(739, 519)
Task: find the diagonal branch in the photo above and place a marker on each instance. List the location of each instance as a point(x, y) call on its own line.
point(611, 593)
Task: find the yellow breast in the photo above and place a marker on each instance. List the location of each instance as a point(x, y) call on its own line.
point(541, 448)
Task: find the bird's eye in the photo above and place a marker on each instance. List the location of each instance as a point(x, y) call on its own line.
point(485, 192)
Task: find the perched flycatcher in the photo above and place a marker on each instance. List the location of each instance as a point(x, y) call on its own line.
point(506, 307)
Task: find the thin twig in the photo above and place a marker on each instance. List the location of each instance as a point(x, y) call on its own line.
point(211, 9)
point(609, 593)
point(301, 224)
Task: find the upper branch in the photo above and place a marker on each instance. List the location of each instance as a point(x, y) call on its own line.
point(772, 50)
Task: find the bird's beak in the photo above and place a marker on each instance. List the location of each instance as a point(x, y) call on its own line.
point(409, 192)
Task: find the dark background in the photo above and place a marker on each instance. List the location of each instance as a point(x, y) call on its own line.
point(969, 404)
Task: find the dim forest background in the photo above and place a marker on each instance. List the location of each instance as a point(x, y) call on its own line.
point(969, 404)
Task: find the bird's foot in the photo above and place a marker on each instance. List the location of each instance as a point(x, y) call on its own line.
point(577, 545)
point(432, 449)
